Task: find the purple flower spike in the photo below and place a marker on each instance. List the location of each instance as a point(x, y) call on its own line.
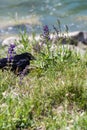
point(12, 46)
point(46, 32)
point(11, 52)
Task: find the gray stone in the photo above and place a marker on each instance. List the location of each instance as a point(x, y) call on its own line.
point(80, 37)
point(9, 40)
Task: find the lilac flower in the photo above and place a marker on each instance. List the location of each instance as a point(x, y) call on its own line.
point(11, 52)
point(11, 48)
point(46, 29)
point(46, 32)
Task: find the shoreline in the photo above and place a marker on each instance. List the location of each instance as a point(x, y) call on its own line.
point(79, 37)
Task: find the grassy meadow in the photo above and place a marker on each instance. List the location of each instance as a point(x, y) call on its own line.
point(52, 96)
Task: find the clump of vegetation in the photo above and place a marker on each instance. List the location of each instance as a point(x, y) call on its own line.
point(53, 96)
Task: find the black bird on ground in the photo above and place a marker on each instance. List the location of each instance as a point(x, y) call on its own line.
point(18, 62)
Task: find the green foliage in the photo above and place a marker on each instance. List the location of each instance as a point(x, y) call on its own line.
point(24, 42)
point(52, 96)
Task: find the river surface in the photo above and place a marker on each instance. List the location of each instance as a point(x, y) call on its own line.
point(17, 15)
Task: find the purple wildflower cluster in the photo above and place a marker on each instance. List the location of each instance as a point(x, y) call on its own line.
point(11, 52)
point(46, 33)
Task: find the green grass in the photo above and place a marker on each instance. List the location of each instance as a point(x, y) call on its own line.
point(53, 96)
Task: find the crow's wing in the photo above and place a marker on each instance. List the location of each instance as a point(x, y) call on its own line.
point(20, 64)
point(23, 62)
point(19, 57)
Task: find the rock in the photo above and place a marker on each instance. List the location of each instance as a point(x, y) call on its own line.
point(80, 37)
point(9, 40)
point(12, 40)
point(76, 49)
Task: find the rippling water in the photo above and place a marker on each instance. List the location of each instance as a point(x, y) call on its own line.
point(70, 12)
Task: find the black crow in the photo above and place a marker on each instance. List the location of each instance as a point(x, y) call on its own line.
point(18, 62)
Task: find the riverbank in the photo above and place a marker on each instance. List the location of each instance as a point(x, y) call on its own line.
point(30, 15)
point(53, 95)
point(77, 40)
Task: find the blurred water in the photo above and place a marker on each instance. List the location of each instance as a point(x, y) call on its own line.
point(70, 12)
